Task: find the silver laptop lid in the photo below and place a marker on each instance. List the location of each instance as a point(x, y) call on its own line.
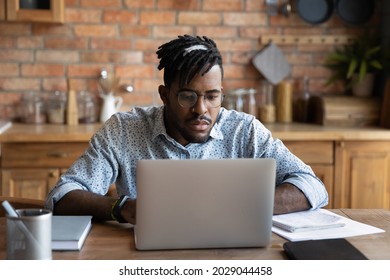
point(222, 203)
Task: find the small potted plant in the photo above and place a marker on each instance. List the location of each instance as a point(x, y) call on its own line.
point(356, 64)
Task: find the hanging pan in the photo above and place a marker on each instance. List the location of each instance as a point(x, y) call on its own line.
point(355, 12)
point(314, 11)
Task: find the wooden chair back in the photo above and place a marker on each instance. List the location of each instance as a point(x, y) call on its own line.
point(19, 203)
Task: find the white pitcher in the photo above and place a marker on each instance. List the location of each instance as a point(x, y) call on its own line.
point(111, 105)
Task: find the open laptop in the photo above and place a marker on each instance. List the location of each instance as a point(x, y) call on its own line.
point(193, 204)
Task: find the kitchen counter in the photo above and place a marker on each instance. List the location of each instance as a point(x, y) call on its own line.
point(286, 132)
point(34, 156)
point(48, 133)
point(301, 131)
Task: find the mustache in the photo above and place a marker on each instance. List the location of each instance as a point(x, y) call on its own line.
point(199, 118)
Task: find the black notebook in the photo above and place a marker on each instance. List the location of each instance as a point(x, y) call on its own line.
point(70, 232)
point(324, 249)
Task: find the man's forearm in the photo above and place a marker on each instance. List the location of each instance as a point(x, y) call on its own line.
point(289, 198)
point(79, 202)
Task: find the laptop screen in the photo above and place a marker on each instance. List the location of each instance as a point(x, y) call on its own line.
point(221, 203)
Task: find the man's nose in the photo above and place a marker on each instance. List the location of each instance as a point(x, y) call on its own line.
point(200, 106)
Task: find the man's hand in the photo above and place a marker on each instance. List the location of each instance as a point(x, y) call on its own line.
point(128, 211)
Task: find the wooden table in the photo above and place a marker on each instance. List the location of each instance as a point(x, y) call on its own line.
point(46, 133)
point(112, 241)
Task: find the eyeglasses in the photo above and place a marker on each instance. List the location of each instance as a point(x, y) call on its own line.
point(188, 99)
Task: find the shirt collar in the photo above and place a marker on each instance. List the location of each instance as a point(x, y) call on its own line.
point(158, 124)
point(216, 132)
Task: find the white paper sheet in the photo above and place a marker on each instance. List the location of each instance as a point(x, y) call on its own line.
point(351, 228)
point(4, 125)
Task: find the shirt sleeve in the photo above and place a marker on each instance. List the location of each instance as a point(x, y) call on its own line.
point(95, 170)
point(289, 168)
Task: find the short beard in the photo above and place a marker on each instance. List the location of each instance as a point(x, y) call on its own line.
point(192, 138)
point(184, 133)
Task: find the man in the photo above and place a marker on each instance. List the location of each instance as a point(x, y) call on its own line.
point(190, 125)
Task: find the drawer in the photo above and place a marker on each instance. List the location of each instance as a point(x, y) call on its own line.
point(312, 152)
point(31, 155)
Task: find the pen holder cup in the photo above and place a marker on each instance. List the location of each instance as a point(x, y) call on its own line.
point(29, 235)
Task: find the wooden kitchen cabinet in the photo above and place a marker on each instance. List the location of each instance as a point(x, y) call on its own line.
point(320, 156)
point(30, 170)
point(362, 174)
point(2, 10)
point(28, 183)
point(53, 14)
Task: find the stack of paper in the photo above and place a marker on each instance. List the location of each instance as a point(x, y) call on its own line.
point(319, 226)
point(306, 220)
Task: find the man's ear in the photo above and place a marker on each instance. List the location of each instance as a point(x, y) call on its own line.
point(163, 91)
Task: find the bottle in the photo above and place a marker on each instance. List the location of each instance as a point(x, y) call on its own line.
point(302, 103)
point(284, 102)
point(237, 99)
point(252, 102)
point(71, 106)
point(86, 107)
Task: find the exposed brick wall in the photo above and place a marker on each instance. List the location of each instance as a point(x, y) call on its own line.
point(123, 35)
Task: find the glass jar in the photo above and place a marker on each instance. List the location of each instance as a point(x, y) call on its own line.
point(33, 109)
point(267, 110)
point(86, 106)
point(8, 112)
point(56, 107)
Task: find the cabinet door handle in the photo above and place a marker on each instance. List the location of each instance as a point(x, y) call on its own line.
point(57, 154)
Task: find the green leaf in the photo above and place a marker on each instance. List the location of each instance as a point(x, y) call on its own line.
point(352, 68)
point(362, 70)
point(376, 64)
point(338, 57)
point(373, 51)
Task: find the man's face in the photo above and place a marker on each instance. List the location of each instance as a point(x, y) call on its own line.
point(192, 125)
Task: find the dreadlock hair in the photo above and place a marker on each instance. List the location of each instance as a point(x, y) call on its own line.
point(187, 56)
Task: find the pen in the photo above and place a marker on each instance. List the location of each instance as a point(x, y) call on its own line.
point(12, 213)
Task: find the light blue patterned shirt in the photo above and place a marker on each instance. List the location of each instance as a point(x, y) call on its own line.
point(140, 134)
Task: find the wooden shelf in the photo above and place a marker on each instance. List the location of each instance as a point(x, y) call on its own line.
point(54, 15)
point(2, 10)
point(307, 39)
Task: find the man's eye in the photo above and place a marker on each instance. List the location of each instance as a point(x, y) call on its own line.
point(212, 97)
point(187, 96)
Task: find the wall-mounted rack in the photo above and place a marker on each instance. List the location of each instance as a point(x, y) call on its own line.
point(307, 39)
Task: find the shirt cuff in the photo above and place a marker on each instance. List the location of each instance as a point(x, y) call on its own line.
point(59, 192)
point(312, 187)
